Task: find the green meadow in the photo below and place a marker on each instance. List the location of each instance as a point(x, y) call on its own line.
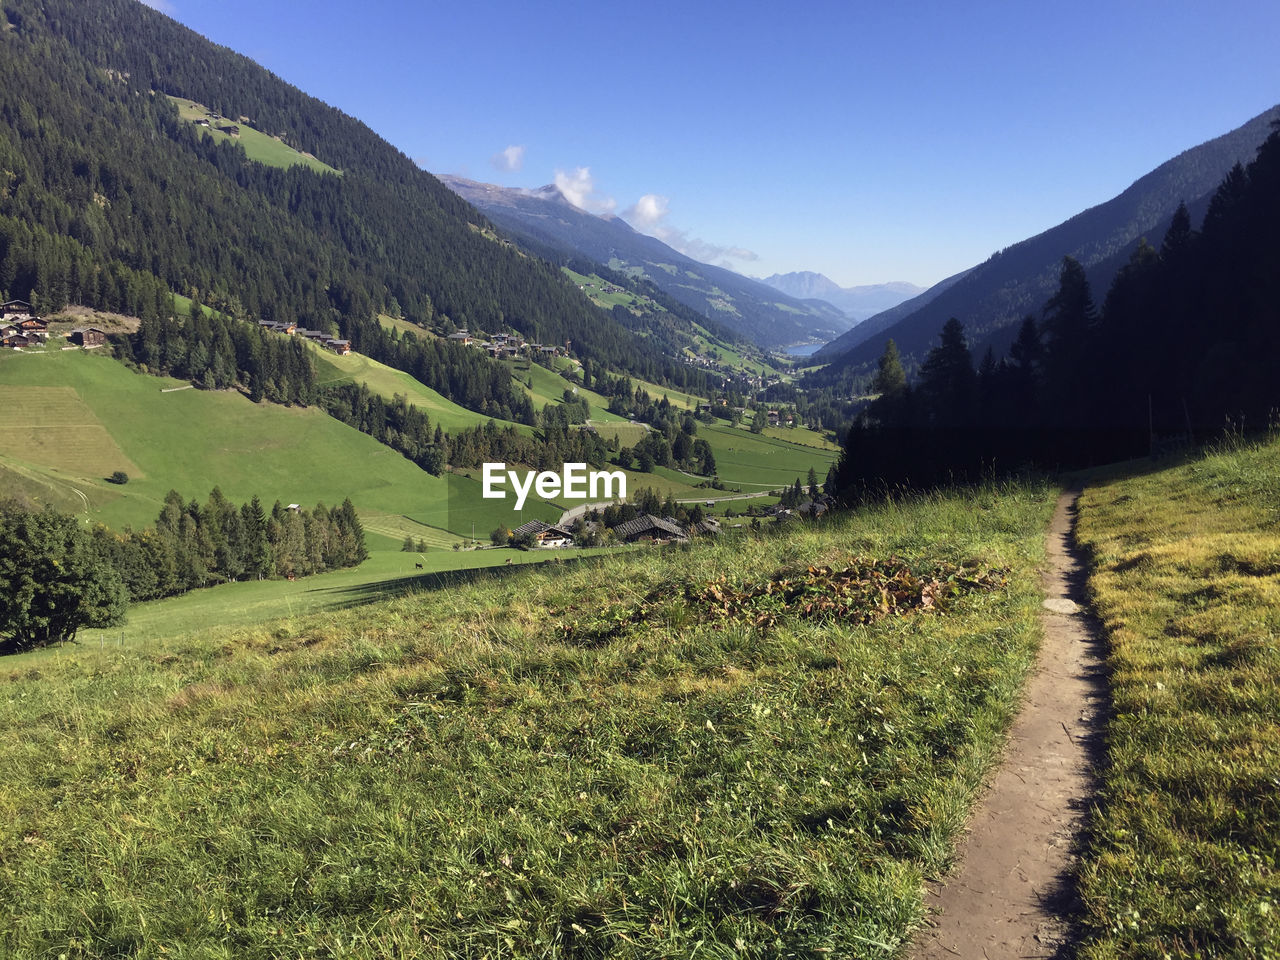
point(258, 146)
point(386, 574)
point(602, 760)
point(404, 326)
point(388, 382)
point(85, 415)
point(546, 386)
point(759, 461)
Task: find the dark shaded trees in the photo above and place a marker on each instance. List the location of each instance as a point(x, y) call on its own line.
point(1188, 339)
point(54, 581)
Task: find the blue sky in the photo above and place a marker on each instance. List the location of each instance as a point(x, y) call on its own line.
point(868, 141)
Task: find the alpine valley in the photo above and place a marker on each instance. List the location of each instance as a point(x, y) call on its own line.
point(289, 674)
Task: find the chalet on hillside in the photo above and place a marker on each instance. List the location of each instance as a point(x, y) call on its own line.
point(543, 534)
point(342, 347)
point(460, 336)
point(16, 341)
point(651, 529)
point(88, 337)
point(13, 309)
point(34, 327)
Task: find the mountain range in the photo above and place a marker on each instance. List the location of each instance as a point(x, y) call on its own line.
point(858, 303)
point(546, 222)
point(117, 125)
point(993, 296)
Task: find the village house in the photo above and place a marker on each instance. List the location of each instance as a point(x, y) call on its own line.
point(707, 527)
point(650, 529)
point(87, 337)
point(342, 347)
point(34, 327)
point(15, 341)
point(15, 310)
point(544, 535)
point(460, 336)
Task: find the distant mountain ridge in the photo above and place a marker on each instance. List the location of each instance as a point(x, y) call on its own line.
point(750, 308)
point(858, 302)
point(992, 297)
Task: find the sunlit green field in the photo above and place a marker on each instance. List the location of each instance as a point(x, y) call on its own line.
point(388, 382)
point(386, 574)
point(1185, 853)
point(258, 146)
point(190, 440)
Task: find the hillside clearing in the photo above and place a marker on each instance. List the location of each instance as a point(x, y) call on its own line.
point(258, 146)
point(247, 449)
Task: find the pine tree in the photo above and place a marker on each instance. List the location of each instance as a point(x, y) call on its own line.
point(890, 377)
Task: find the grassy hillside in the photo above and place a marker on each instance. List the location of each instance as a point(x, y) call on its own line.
point(386, 574)
point(756, 461)
point(387, 382)
point(1186, 579)
point(90, 416)
point(586, 763)
point(258, 146)
point(546, 386)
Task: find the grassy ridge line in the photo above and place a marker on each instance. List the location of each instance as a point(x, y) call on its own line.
point(446, 775)
point(1185, 858)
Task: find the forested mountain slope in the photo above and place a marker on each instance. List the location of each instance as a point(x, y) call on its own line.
point(110, 198)
point(1018, 280)
point(747, 307)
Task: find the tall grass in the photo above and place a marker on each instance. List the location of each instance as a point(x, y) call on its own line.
point(1185, 856)
point(452, 774)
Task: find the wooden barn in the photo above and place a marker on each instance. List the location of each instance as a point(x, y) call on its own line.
point(88, 337)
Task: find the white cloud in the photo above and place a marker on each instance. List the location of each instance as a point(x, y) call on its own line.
point(164, 6)
point(649, 215)
point(510, 159)
point(580, 189)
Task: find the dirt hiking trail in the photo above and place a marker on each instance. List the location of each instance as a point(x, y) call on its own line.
point(1011, 894)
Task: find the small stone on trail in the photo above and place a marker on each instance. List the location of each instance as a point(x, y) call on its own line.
point(1061, 605)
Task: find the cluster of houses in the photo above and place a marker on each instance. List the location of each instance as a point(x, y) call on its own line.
point(643, 529)
point(504, 345)
point(20, 327)
point(776, 418)
point(780, 418)
point(342, 347)
point(216, 122)
point(610, 288)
